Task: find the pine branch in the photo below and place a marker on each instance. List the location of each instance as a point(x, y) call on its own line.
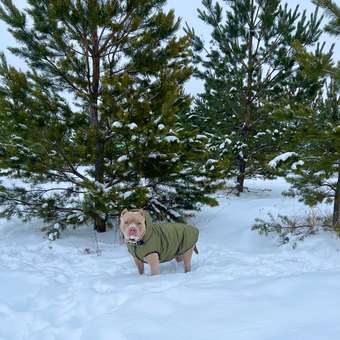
point(333, 11)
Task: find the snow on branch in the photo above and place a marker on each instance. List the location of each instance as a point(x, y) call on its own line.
point(281, 158)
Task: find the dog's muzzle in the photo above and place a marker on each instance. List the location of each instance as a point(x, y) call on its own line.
point(132, 231)
point(132, 234)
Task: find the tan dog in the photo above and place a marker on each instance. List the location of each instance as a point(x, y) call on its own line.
point(154, 243)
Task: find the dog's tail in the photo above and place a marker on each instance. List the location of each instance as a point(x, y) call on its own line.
point(195, 249)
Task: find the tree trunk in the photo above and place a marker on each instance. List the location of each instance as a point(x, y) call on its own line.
point(336, 211)
point(99, 223)
point(241, 176)
point(248, 108)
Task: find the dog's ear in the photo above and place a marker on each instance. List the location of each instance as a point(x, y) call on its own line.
point(141, 211)
point(124, 212)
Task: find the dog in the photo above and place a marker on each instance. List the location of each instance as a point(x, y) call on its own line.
point(154, 243)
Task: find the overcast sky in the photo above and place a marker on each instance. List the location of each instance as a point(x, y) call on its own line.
point(187, 10)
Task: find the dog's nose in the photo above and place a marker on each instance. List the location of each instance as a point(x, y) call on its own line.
point(132, 231)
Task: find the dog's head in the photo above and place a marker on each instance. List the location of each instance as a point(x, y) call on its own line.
point(132, 225)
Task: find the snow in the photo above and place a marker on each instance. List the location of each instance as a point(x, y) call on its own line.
point(200, 137)
point(132, 126)
point(295, 165)
point(127, 194)
point(259, 134)
point(53, 235)
point(211, 161)
point(84, 286)
point(117, 125)
point(122, 158)
point(154, 155)
point(281, 158)
point(171, 139)
point(56, 226)
point(223, 145)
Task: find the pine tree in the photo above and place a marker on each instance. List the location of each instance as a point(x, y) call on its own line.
point(316, 140)
point(96, 123)
point(315, 174)
point(248, 69)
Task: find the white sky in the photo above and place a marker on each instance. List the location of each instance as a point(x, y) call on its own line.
point(187, 10)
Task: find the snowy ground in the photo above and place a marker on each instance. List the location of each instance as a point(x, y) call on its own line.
point(243, 287)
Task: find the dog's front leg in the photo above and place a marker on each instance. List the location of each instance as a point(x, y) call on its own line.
point(187, 260)
point(153, 261)
point(140, 265)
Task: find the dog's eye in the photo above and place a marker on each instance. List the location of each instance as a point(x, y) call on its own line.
point(139, 223)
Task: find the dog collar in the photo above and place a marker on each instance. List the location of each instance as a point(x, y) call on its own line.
point(137, 243)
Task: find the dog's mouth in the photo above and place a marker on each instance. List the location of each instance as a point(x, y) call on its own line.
point(132, 240)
